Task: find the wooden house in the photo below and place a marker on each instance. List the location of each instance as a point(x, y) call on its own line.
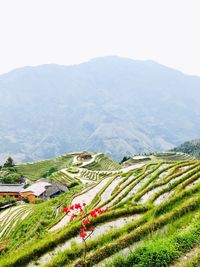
point(12, 190)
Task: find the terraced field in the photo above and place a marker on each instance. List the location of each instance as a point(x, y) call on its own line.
point(93, 175)
point(94, 169)
point(102, 162)
point(173, 156)
point(37, 170)
point(153, 220)
point(63, 178)
point(164, 156)
point(11, 218)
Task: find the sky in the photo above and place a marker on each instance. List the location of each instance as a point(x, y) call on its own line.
point(34, 32)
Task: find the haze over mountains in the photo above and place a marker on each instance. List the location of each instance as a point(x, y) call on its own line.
point(114, 105)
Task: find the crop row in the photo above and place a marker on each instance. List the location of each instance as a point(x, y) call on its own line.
point(11, 217)
point(104, 247)
point(63, 178)
point(124, 192)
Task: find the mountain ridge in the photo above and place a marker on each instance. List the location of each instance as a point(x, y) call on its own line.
point(111, 104)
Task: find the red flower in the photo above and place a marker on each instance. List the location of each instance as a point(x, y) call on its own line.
point(78, 206)
point(83, 235)
point(66, 209)
point(86, 221)
point(73, 217)
point(84, 204)
point(72, 207)
point(93, 214)
point(99, 211)
point(96, 212)
point(83, 229)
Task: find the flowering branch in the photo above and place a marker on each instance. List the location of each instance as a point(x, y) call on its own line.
point(87, 229)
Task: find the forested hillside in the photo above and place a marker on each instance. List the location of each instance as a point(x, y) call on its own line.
point(190, 147)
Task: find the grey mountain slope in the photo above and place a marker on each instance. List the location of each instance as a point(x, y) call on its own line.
point(115, 105)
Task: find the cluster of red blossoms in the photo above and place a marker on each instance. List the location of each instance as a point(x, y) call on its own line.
point(94, 213)
point(81, 210)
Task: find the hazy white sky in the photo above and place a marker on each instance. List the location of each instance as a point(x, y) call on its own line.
point(34, 32)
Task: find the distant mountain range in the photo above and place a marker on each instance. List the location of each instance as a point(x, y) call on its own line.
point(111, 104)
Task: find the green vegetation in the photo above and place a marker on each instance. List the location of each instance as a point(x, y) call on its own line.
point(153, 218)
point(40, 169)
point(173, 156)
point(7, 200)
point(9, 163)
point(125, 158)
point(12, 218)
point(103, 163)
point(161, 250)
point(63, 178)
point(8, 174)
point(9, 177)
point(191, 147)
point(164, 156)
point(42, 216)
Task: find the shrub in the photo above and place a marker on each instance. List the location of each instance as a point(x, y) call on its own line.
point(7, 200)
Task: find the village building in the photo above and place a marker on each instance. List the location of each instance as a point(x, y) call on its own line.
point(43, 189)
point(84, 156)
point(12, 190)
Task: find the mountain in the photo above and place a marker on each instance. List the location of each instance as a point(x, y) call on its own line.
point(116, 105)
point(190, 147)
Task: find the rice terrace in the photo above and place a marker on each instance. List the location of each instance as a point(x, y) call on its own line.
point(152, 213)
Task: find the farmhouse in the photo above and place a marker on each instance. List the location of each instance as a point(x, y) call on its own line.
point(84, 156)
point(12, 190)
point(43, 189)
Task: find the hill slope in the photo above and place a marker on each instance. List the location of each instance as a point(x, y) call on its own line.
point(116, 105)
point(37, 170)
point(153, 220)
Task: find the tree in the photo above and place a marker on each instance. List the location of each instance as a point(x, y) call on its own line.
point(51, 170)
point(9, 163)
point(124, 159)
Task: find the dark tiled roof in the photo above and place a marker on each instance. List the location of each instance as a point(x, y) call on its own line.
point(55, 188)
point(13, 188)
point(52, 190)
